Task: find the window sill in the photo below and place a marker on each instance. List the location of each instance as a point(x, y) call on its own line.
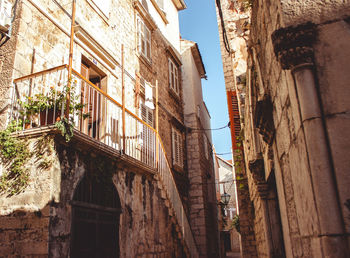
point(145, 61)
point(174, 95)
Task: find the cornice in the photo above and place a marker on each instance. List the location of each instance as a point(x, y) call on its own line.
point(180, 4)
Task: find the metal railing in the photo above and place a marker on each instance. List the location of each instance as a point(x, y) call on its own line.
point(37, 101)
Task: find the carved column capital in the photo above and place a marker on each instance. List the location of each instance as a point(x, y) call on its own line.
point(293, 46)
point(257, 169)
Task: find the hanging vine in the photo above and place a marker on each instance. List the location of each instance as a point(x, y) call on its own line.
point(15, 155)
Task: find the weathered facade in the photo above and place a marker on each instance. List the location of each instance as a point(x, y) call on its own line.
point(295, 115)
point(56, 214)
point(233, 22)
point(203, 212)
point(127, 77)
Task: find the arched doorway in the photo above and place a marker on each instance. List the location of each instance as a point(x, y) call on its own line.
point(95, 219)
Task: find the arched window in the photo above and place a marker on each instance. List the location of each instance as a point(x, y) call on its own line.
point(95, 219)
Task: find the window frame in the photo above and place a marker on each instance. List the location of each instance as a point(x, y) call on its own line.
point(142, 31)
point(146, 114)
point(173, 77)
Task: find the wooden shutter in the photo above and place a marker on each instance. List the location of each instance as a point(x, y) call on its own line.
point(179, 142)
point(174, 144)
point(147, 115)
point(150, 117)
point(232, 102)
point(143, 113)
point(177, 148)
point(169, 63)
point(176, 80)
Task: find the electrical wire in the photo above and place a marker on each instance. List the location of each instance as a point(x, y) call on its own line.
point(215, 129)
point(224, 35)
point(224, 153)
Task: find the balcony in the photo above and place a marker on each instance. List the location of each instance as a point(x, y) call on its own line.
point(100, 119)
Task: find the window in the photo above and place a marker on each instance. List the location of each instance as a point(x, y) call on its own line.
point(177, 148)
point(173, 77)
point(147, 114)
point(144, 39)
point(147, 136)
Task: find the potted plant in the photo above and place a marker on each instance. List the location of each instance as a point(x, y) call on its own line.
point(48, 109)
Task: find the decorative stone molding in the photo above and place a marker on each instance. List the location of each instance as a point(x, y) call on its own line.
point(293, 46)
point(257, 169)
point(264, 119)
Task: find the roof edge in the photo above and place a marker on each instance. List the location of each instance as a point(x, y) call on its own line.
point(180, 4)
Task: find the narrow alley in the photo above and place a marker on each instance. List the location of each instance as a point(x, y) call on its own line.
point(174, 128)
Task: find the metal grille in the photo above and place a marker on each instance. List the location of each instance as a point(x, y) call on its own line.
point(95, 222)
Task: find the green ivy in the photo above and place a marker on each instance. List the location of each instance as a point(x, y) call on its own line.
point(65, 126)
point(15, 153)
point(32, 106)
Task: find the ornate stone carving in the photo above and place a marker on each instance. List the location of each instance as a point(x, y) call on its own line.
point(293, 46)
point(257, 169)
point(264, 119)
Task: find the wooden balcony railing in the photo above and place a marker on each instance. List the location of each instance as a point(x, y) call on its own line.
point(104, 123)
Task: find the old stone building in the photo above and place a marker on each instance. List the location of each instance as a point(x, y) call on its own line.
point(203, 214)
point(117, 183)
point(294, 115)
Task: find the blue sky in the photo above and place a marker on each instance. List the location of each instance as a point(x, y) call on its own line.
point(198, 23)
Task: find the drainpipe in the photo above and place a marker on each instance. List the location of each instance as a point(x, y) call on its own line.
point(294, 49)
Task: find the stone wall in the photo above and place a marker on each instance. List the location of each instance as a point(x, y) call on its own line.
point(44, 228)
point(203, 207)
point(25, 233)
point(7, 59)
point(234, 58)
point(41, 41)
point(290, 120)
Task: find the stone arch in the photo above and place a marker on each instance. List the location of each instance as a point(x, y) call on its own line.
point(96, 212)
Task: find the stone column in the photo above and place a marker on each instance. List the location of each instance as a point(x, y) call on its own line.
point(294, 49)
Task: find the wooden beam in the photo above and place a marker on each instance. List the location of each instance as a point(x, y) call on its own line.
point(70, 64)
point(123, 101)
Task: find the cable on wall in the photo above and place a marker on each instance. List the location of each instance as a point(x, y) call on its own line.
point(224, 34)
